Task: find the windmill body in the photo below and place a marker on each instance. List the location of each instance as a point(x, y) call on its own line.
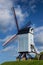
point(25, 40)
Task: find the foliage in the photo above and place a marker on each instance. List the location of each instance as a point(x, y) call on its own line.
point(35, 58)
point(41, 53)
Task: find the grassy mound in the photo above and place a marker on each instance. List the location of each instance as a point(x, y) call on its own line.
point(28, 62)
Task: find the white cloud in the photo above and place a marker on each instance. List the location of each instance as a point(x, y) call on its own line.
point(6, 3)
point(38, 38)
point(40, 48)
point(39, 34)
point(7, 49)
point(21, 16)
point(10, 50)
point(6, 19)
point(32, 4)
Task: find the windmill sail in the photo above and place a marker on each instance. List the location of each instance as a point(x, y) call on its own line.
point(15, 18)
point(14, 36)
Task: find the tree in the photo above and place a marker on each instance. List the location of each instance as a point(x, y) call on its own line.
point(41, 56)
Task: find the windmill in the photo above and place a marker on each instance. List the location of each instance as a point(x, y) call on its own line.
point(25, 39)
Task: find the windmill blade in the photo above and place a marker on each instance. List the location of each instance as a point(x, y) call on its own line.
point(13, 37)
point(16, 21)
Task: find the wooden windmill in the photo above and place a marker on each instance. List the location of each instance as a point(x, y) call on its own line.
point(25, 39)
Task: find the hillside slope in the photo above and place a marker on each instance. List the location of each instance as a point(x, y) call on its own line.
point(32, 62)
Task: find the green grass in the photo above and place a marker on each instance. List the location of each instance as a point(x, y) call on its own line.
point(28, 62)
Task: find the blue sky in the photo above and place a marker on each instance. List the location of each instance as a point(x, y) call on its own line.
point(26, 10)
